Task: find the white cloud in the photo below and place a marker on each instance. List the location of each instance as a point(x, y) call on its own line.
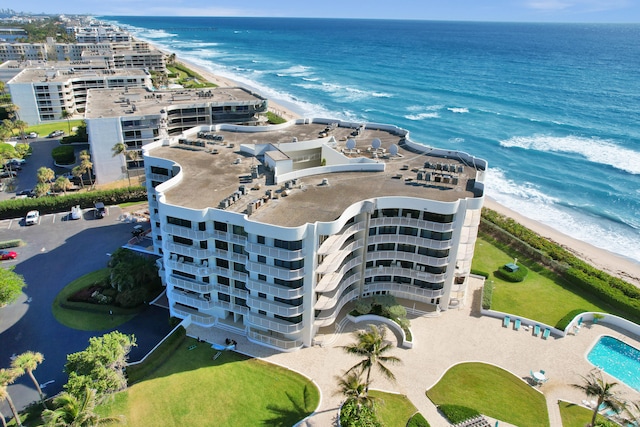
point(588, 6)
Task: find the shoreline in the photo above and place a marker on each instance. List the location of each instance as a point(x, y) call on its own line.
point(602, 259)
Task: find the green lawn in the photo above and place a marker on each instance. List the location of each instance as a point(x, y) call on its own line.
point(91, 319)
point(575, 415)
point(393, 409)
point(46, 128)
point(539, 297)
point(192, 389)
point(492, 391)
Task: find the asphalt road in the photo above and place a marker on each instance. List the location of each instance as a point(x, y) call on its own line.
point(58, 251)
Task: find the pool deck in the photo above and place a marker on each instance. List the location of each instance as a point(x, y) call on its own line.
point(458, 335)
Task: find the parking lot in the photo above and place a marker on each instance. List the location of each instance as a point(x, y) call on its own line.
point(57, 251)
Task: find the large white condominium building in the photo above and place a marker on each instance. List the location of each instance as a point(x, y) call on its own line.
point(43, 93)
point(272, 231)
point(136, 117)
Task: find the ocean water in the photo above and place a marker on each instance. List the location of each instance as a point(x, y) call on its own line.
point(554, 108)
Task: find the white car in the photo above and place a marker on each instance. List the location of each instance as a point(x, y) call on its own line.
point(76, 212)
point(32, 218)
point(32, 135)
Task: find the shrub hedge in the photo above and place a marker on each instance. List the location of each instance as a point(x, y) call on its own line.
point(63, 155)
point(457, 414)
point(620, 294)
point(16, 208)
point(418, 421)
point(487, 295)
point(512, 276)
point(11, 243)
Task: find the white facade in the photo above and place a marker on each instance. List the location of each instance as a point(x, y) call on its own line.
point(278, 283)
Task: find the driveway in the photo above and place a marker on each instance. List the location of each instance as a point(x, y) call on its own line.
point(58, 251)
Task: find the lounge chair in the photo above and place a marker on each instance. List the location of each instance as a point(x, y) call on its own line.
point(542, 371)
point(516, 324)
point(546, 333)
point(536, 330)
point(580, 321)
point(506, 321)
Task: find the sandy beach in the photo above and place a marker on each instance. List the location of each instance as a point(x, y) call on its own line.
point(602, 259)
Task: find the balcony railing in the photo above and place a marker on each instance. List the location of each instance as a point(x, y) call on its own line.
point(272, 252)
point(327, 301)
point(404, 290)
point(275, 324)
point(274, 307)
point(408, 256)
point(280, 291)
point(190, 285)
point(333, 261)
point(176, 230)
point(195, 269)
point(406, 272)
point(273, 271)
point(327, 317)
point(196, 317)
point(187, 250)
point(410, 222)
point(275, 342)
point(334, 242)
point(192, 300)
point(410, 240)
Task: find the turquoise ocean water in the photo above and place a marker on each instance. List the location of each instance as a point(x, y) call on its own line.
point(554, 108)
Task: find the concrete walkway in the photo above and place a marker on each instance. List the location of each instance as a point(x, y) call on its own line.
point(459, 335)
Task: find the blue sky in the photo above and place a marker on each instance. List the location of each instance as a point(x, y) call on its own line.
point(476, 10)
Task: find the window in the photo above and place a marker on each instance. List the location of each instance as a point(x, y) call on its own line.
point(221, 245)
point(262, 277)
point(295, 319)
point(264, 313)
point(386, 247)
point(434, 217)
point(409, 231)
point(204, 244)
point(293, 302)
point(239, 230)
point(406, 248)
point(240, 285)
point(262, 295)
point(223, 280)
point(222, 263)
point(289, 245)
point(182, 240)
point(239, 267)
point(388, 229)
point(291, 265)
point(261, 240)
point(390, 212)
point(293, 284)
point(183, 274)
point(373, 231)
point(179, 221)
point(202, 226)
point(240, 301)
point(219, 226)
point(262, 259)
point(223, 297)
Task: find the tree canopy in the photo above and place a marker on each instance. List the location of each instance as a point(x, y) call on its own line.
point(11, 285)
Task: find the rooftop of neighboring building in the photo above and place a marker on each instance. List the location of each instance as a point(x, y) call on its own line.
point(122, 102)
point(214, 172)
point(48, 74)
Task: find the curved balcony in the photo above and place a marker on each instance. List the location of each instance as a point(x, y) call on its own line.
point(187, 250)
point(331, 280)
point(410, 222)
point(274, 307)
point(196, 317)
point(191, 300)
point(401, 290)
point(273, 271)
point(406, 272)
point(333, 260)
point(327, 301)
point(256, 286)
point(336, 241)
point(328, 317)
point(411, 240)
point(274, 324)
point(271, 252)
point(408, 256)
point(234, 308)
point(189, 233)
point(279, 343)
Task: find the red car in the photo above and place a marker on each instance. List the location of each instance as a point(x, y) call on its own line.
point(8, 255)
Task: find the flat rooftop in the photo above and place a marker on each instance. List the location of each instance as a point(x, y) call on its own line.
point(120, 101)
point(50, 74)
point(215, 171)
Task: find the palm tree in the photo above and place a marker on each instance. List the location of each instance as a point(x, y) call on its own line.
point(120, 149)
point(632, 410)
point(372, 346)
point(85, 164)
point(28, 362)
point(594, 385)
point(62, 183)
point(8, 376)
point(351, 386)
point(72, 411)
point(67, 115)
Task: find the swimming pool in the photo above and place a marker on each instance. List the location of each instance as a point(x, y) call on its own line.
point(617, 359)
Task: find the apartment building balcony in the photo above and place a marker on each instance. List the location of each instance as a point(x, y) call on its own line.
point(410, 240)
point(273, 271)
point(335, 242)
point(328, 317)
point(192, 300)
point(329, 281)
point(411, 222)
point(403, 290)
point(274, 324)
point(234, 308)
point(274, 307)
point(270, 251)
point(279, 291)
point(328, 300)
point(335, 259)
point(408, 256)
point(191, 268)
point(187, 250)
point(157, 177)
point(189, 233)
point(190, 285)
point(197, 317)
point(280, 343)
point(405, 272)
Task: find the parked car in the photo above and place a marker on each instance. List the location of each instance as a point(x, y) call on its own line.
point(4, 254)
point(32, 135)
point(32, 218)
point(55, 134)
point(8, 174)
point(13, 166)
point(100, 211)
point(25, 193)
point(76, 212)
point(16, 161)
